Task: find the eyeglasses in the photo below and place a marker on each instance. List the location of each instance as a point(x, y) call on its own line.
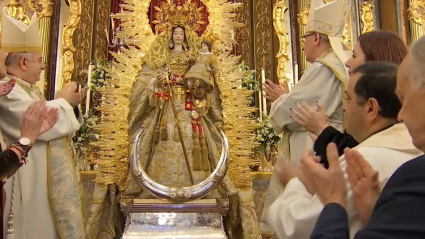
point(311, 34)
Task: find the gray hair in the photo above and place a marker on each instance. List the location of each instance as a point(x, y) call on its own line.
point(417, 53)
point(15, 58)
point(325, 39)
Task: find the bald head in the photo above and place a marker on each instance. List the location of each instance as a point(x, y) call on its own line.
point(411, 92)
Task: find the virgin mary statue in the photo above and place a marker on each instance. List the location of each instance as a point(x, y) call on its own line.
point(195, 109)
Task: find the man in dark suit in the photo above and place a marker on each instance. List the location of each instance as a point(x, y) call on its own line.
point(397, 211)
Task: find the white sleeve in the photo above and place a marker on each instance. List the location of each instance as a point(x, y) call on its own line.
point(294, 213)
point(16, 103)
point(318, 83)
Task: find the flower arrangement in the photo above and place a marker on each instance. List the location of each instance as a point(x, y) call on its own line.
point(87, 132)
point(265, 135)
point(100, 74)
point(249, 82)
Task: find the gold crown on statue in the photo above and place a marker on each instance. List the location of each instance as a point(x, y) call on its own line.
point(171, 14)
point(18, 37)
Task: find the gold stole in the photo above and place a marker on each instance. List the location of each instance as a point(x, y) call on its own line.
point(65, 193)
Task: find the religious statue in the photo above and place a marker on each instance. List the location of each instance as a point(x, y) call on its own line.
point(179, 108)
point(204, 67)
point(182, 99)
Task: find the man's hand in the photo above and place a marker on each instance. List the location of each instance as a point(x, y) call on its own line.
point(329, 184)
point(70, 94)
point(308, 155)
point(32, 120)
point(6, 88)
point(313, 121)
point(364, 183)
point(274, 91)
point(49, 120)
point(285, 170)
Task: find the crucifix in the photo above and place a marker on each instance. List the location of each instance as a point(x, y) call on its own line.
point(179, 93)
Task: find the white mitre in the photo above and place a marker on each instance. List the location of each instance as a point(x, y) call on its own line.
point(330, 19)
point(17, 37)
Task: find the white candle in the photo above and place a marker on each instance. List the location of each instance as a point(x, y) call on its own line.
point(295, 73)
point(263, 81)
point(79, 90)
point(259, 105)
point(88, 90)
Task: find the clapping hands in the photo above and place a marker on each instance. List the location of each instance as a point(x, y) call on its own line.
point(37, 119)
point(6, 88)
point(70, 94)
point(364, 182)
point(313, 121)
point(273, 91)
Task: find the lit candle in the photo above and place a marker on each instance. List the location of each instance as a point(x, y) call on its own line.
point(263, 81)
point(296, 73)
point(88, 90)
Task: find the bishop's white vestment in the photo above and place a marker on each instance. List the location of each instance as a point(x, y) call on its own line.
point(295, 212)
point(324, 81)
point(47, 197)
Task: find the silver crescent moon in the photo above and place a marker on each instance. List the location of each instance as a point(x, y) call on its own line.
point(178, 194)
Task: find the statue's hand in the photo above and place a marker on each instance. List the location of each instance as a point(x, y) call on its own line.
point(219, 124)
point(160, 79)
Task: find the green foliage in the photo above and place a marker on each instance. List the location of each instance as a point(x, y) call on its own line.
point(249, 82)
point(265, 135)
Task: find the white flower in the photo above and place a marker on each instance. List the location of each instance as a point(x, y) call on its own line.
point(194, 114)
point(96, 136)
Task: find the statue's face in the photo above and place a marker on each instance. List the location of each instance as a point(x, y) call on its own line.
point(199, 92)
point(204, 47)
point(178, 36)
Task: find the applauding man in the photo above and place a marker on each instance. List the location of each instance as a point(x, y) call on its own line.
point(44, 194)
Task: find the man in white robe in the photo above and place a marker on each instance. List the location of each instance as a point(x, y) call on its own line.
point(324, 81)
point(372, 108)
point(47, 201)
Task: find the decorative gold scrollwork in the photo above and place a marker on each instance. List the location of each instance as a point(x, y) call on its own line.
point(367, 16)
point(17, 11)
point(282, 56)
point(416, 11)
point(44, 8)
point(68, 33)
point(303, 15)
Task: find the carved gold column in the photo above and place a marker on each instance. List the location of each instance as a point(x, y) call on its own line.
point(44, 9)
point(262, 36)
point(367, 17)
point(68, 45)
point(416, 13)
point(243, 47)
point(282, 56)
point(303, 11)
point(17, 11)
point(102, 26)
point(85, 44)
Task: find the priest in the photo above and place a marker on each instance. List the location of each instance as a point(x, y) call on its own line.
point(43, 198)
point(324, 81)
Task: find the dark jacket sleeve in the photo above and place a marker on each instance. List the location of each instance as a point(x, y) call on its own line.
point(9, 163)
point(332, 135)
point(399, 212)
point(332, 223)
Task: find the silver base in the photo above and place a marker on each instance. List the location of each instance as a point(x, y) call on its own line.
point(153, 218)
